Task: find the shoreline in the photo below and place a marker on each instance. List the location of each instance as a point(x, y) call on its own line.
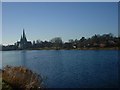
point(92, 48)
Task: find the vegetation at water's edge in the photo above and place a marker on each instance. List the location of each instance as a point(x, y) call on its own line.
point(105, 41)
point(20, 78)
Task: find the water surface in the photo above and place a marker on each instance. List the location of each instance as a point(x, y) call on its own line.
point(69, 68)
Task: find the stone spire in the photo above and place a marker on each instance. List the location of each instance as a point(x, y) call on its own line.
point(24, 36)
point(21, 38)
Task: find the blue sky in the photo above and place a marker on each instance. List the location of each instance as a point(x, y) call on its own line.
point(60, 0)
point(0, 23)
point(68, 20)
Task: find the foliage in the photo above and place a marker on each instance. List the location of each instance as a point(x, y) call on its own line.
point(21, 78)
point(6, 86)
point(96, 41)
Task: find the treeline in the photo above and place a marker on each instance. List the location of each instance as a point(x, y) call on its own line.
point(96, 41)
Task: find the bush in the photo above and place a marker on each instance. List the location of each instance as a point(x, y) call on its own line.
point(21, 77)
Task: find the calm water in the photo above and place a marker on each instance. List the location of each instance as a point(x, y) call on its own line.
point(69, 68)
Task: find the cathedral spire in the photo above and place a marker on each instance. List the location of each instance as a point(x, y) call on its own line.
point(21, 38)
point(24, 36)
point(24, 33)
point(23, 44)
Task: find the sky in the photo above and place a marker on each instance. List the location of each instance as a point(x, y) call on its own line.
point(0, 22)
point(59, 0)
point(68, 20)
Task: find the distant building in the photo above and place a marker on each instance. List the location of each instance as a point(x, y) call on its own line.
point(23, 43)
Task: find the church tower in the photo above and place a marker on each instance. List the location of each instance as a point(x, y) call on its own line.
point(24, 36)
point(23, 43)
point(23, 40)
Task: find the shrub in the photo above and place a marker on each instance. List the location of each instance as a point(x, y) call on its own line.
point(21, 77)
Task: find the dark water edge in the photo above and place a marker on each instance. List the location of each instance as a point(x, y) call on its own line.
point(70, 68)
point(92, 48)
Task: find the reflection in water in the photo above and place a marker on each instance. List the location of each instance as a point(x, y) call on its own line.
point(23, 58)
